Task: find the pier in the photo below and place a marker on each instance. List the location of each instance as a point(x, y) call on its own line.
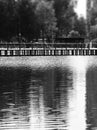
point(63, 47)
point(47, 52)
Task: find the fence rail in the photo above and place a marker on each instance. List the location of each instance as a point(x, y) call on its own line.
point(37, 49)
point(47, 52)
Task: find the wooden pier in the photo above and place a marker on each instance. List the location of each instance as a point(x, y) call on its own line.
point(48, 51)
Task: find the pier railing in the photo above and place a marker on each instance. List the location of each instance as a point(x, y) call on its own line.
point(37, 49)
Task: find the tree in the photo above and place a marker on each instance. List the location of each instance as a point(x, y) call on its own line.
point(11, 18)
point(93, 19)
point(27, 23)
point(31, 17)
point(73, 34)
point(17, 17)
point(46, 18)
point(2, 20)
point(80, 26)
point(64, 11)
point(7, 19)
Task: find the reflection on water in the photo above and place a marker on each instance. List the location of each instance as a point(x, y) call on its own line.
point(77, 103)
point(92, 99)
point(14, 112)
point(53, 98)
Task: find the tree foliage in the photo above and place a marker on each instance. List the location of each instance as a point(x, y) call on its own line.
point(26, 19)
point(46, 17)
point(93, 17)
point(80, 26)
point(64, 13)
point(73, 34)
point(31, 17)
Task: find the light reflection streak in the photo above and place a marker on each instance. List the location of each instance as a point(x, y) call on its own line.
point(33, 115)
point(37, 114)
point(41, 104)
point(77, 98)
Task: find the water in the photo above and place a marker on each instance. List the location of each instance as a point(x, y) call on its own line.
point(48, 93)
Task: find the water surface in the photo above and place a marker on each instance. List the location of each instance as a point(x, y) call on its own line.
point(48, 93)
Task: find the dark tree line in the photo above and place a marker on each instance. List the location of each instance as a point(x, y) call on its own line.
point(38, 18)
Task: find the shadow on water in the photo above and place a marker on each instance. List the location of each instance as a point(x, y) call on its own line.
point(48, 98)
point(91, 98)
point(34, 99)
point(13, 106)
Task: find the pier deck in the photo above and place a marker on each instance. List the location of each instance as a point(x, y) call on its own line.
point(48, 51)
